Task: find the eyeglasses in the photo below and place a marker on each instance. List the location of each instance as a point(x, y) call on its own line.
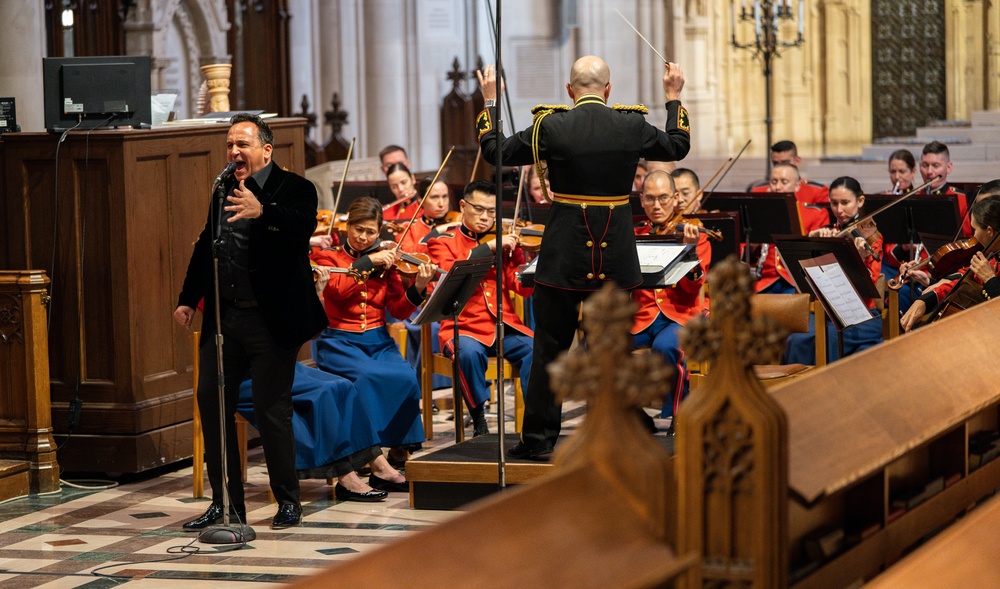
point(663, 199)
point(491, 213)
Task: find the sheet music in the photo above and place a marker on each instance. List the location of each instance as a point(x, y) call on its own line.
point(833, 285)
point(654, 257)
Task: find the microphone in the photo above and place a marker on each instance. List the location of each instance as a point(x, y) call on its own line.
point(225, 173)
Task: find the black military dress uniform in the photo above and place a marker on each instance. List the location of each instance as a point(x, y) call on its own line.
point(591, 153)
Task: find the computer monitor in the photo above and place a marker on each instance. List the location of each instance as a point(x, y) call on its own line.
point(108, 91)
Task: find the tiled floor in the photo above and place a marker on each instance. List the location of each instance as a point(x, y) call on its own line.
point(131, 534)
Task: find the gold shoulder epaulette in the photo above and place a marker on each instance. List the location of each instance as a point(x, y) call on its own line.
point(639, 108)
point(547, 109)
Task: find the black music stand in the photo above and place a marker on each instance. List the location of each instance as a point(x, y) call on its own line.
point(920, 213)
point(447, 300)
point(728, 224)
point(762, 214)
point(796, 250)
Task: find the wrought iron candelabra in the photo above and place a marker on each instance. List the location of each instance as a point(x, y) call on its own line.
point(766, 16)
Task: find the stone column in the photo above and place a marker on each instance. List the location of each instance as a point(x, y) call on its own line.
point(22, 46)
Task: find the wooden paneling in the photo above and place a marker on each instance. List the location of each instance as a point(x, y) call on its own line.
point(130, 206)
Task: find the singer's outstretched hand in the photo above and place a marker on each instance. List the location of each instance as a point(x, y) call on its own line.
point(244, 204)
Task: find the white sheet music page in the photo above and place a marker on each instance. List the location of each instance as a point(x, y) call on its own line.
point(833, 285)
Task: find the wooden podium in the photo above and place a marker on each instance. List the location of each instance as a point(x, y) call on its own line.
point(121, 213)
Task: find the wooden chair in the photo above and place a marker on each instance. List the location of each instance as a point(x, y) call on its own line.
point(432, 364)
point(198, 439)
point(791, 311)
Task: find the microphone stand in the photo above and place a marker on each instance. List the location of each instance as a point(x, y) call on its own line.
point(225, 533)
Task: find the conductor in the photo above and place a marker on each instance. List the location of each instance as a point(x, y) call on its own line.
point(591, 151)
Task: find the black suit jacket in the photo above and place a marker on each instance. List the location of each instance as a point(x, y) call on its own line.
point(278, 258)
point(592, 150)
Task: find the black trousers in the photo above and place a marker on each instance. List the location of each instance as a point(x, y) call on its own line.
point(556, 313)
point(249, 351)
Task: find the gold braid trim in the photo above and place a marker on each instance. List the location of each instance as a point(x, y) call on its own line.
point(639, 108)
point(541, 111)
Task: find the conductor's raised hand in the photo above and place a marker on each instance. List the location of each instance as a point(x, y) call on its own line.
point(244, 204)
point(488, 82)
point(673, 81)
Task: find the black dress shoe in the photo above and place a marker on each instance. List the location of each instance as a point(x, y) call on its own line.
point(289, 514)
point(342, 493)
point(384, 485)
point(541, 453)
point(213, 516)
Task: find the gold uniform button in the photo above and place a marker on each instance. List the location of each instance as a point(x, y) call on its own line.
point(364, 293)
point(611, 207)
point(363, 304)
point(601, 275)
point(659, 300)
point(362, 326)
point(362, 316)
point(604, 244)
point(590, 243)
point(590, 275)
point(583, 206)
point(487, 294)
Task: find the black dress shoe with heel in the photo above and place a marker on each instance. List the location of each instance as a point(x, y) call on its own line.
point(213, 516)
point(289, 515)
point(342, 493)
point(389, 486)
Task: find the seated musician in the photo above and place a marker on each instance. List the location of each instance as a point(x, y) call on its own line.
point(393, 154)
point(806, 192)
point(334, 436)
point(357, 345)
point(935, 160)
point(770, 274)
point(687, 187)
point(435, 215)
point(916, 279)
point(664, 311)
point(476, 322)
point(403, 185)
point(902, 168)
point(846, 202)
point(985, 215)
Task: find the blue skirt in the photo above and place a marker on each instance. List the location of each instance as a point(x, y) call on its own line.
point(386, 383)
point(329, 418)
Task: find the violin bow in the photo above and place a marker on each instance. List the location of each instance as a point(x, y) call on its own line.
point(340, 189)
point(517, 202)
point(732, 162)
point(420, 205)
point(847, 230)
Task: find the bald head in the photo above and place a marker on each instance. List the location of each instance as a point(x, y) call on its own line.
point(590, 75)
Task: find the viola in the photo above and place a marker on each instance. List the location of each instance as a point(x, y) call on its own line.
point(678, 228)
point(946, 260)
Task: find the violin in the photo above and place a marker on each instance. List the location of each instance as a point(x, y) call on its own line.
point(409, 264)
point(946, 260)
point(327, 222)
point(968, 292)
point(679, 225)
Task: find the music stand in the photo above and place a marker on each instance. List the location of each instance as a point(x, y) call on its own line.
point(728, 224)
point(447, 300)
point(920, 213)
point(762, 214)
point(794, 249)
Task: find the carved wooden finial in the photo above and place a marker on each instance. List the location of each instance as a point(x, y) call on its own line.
point(336, 117)
point(731, 447)
point(614, 382)
point(310, 117)
point(456, 75)
point(635, 380)
point(756, 341)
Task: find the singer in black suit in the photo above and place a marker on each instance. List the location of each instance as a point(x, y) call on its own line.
point(268, 309)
